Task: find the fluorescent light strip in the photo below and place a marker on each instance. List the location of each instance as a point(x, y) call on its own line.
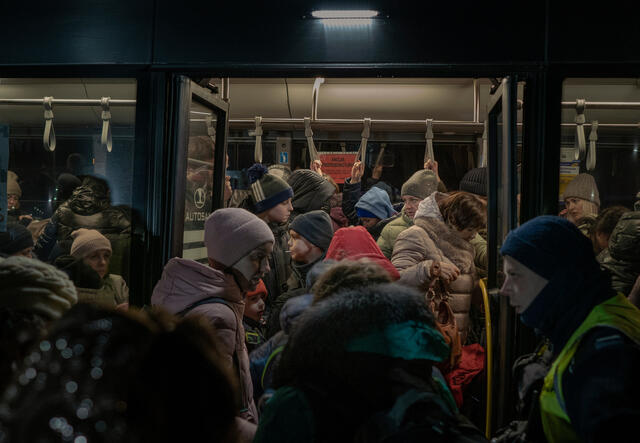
point(349, 14)
point(346, 22)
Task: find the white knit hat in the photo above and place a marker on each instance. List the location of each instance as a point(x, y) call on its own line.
point(85, 241)
point(32, 285)
point(13, 188)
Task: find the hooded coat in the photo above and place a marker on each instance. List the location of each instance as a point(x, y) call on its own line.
point(622, 258)
point(185, 282)
point(89, 207)
point(333, 374)
point(355, 243)
point(310, 192)
point(429, 240)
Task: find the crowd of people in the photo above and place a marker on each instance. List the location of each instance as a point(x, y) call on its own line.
point(320, 315)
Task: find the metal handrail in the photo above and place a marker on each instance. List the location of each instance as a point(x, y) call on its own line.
point(66, 101)
point(489, 333)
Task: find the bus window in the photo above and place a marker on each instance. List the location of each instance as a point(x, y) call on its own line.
point(70, 162)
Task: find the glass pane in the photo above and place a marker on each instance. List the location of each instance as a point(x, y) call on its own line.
point(600, 158)
point(78, 182)
point(199, 183)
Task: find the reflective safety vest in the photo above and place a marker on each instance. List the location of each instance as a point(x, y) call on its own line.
point(617, 313)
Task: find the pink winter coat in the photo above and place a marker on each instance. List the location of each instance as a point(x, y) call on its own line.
point(183, 283)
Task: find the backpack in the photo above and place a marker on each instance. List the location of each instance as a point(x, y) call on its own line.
point(418, 416)
point(235, 357)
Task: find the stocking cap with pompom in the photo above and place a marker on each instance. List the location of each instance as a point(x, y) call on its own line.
point(267, 190)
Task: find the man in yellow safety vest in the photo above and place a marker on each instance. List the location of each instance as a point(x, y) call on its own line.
point(592, 391)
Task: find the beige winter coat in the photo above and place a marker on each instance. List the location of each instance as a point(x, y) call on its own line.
point(431, 239)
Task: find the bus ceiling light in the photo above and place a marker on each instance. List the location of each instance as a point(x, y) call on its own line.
point(348, 14)
point(345, 18)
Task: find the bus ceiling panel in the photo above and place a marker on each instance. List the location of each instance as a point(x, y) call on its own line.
point(382, 99)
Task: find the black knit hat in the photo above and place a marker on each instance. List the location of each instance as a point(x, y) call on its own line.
point(15, 239)
point(475, 181)
point(267, 190)
point(315, 226)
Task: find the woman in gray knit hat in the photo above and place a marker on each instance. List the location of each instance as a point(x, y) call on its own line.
point(582, 202)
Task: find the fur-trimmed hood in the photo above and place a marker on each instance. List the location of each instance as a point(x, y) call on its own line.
point(449, 244)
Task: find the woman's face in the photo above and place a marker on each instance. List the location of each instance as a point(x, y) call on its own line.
point(410, 205)
point(280, 213)
point(575, 210)
point(253, 266)
point(13, 201)
point(99, 261)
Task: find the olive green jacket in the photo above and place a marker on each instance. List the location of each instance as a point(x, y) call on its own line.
point(391, 232)
point(114, 291)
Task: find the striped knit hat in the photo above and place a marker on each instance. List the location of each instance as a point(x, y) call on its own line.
point(267, 190)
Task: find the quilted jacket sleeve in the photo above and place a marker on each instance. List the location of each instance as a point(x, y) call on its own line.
point(409, 257)
point(351, 193)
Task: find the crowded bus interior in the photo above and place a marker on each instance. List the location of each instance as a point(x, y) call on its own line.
point(231, 250)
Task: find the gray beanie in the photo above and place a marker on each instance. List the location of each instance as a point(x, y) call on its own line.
point(583, 186)
point(315, 226)
point(13, 188)
point(232, 233)
point(421, 184)
point(32, 285)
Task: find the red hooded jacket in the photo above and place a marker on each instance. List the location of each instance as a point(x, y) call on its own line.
point(355, 243)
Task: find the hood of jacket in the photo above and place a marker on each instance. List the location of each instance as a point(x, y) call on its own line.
point(310, 191)
point(429, 206)
point(624, 244)
point(292, 309)
point(456, 249)
point(185, 282)
point(355, 243)
point(376, 201)
point(91, 197)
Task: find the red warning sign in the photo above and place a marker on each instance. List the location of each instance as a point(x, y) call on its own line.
point(337, 164)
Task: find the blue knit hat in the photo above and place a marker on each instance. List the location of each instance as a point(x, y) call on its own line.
point(547, 245)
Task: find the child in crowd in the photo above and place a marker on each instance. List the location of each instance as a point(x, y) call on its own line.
point(252, 319)
point(311, 235)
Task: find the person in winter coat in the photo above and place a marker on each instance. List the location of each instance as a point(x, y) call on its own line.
point(622, 258)
point(348, 274)
point(104, 375)
point(33, 295)
point(349, 358)
point(310, 237)
point(16, 240)
point(311, 192)
point(373, 209)
point(554, 283)
point(14, 193)
point(582, 202)
point(271, 202)
point(253, 317)
point(475, 182)
point(438, 244)
point(355, 243)
point(604, 226)
point(89, 207)
point(94, 251)
point(419, 186)
point(237, 261)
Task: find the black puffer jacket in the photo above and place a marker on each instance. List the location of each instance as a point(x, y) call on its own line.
point(310, 192)
point(622, 258)
point(90, 207)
